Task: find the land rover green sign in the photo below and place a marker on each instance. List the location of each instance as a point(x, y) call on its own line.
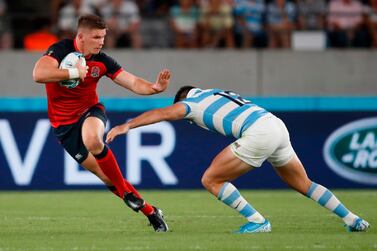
point(351, 151)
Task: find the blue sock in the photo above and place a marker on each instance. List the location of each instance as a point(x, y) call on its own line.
point(231, 196)
point(327, 199)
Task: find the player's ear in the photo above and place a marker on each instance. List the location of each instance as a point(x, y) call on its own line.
point(80, 34)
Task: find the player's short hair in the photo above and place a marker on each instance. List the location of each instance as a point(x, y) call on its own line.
point(182, 93)
point(91, 21)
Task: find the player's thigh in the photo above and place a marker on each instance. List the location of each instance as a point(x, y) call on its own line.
point(71, 140)
point(93, 125)
point(226, 167)
point(293, 173)
point(92, 130)
point(286, 163)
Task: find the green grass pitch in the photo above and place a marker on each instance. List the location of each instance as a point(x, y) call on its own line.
point(96, 220)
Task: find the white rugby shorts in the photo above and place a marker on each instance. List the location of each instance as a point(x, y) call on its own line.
point(266, 139)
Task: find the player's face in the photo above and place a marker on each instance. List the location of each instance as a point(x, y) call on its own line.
point(93, 40)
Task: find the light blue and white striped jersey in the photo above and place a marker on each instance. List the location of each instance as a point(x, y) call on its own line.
point(221, 111)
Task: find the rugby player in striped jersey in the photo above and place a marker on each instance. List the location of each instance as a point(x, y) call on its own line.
point(260, 136)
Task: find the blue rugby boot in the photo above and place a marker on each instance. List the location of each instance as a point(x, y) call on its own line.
point(252, 227)
point(359, 225)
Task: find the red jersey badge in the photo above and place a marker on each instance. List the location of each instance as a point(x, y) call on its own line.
point(95, 72)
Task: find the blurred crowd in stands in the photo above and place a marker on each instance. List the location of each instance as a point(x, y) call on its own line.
point(34, 25)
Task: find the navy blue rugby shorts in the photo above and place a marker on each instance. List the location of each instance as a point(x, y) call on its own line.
point(70, 137)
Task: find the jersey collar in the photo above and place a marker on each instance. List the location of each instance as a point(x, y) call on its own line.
point(192, 92)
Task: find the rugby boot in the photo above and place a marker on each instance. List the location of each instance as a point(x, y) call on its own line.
point(157, 221)
point(359, 225)
point(252, 227)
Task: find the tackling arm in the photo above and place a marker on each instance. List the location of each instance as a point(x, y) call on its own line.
point(173, 112)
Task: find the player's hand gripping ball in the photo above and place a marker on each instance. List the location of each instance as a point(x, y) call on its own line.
point(70, 61)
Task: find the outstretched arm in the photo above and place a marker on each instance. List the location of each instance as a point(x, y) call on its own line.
point(173, 112)
point(141, 86)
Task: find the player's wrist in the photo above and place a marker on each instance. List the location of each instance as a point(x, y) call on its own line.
point(156, 88)
point(73, 73)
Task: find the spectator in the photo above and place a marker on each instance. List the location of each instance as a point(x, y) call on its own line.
point(41, 38)
point(217, 23)
point(123, 20)
point(155, 7)
point(281, 17)
point(68, 17)
point(345, 24)
point(6, 38)
point(372, 21)
point(311, 14)
point(184, 22)
point(94, 5)
point(249, 22)
point(204, 3)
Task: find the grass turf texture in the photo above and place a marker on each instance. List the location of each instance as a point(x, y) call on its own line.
point(49, 221)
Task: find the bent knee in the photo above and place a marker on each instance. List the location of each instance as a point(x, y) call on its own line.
point(94, 145)
point(206, 182)
point(210, 183)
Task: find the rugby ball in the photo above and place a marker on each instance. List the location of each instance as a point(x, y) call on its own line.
point(70, 61)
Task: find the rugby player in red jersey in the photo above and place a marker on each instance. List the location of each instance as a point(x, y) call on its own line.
point(78, 119)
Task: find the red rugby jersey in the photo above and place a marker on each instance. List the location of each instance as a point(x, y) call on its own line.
point(65, 106)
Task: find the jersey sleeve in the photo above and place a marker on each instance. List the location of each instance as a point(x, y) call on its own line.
point(189, 109)
point(57, 51)
point(112, 66)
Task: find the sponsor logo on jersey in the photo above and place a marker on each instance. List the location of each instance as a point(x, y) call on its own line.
point(95, 72)
point(351, 151)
